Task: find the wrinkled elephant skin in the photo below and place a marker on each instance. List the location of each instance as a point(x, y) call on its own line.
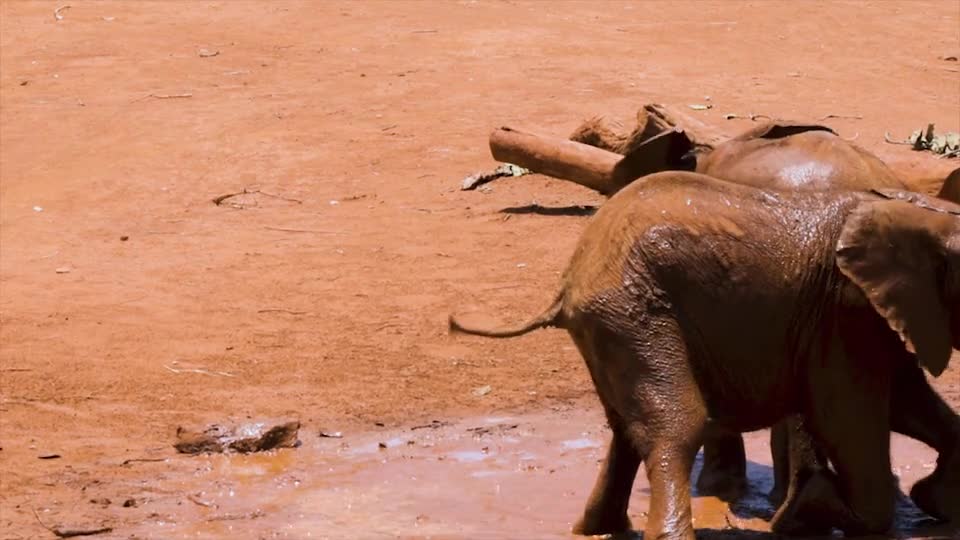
point(698, 303)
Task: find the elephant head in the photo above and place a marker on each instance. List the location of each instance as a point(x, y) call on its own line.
point(904, 254)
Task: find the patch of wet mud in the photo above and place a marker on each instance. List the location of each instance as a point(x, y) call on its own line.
point(508, 477)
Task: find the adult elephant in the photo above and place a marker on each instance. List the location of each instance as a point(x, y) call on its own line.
point(777, 155)
point(700, 304)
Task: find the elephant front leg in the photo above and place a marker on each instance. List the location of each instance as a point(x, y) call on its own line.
point(724, 473)
point(855, 436)
point(939, 493)
point(916, 410)
point(802, 510)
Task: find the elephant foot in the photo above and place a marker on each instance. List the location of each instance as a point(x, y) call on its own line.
point(724, 473)
point(725, 484)
point(939, 496)
point(599, 523)
point(777, 495)
point(814, 510)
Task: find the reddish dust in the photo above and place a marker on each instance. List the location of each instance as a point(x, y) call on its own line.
point(131, 304)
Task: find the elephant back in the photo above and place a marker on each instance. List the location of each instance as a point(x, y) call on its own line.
point(796, 157)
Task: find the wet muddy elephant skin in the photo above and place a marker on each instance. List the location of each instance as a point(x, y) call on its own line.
point(775, 155)
point(790, 157)
point(698, 303)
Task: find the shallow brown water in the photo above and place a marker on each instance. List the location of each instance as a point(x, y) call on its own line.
point(490, 477)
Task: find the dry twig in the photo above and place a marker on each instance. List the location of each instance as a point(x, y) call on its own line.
point(751, 116)
point(142, 460)
point(57, 13)
point(891, 140)
point(282, 310)
point(164, 96)
point(246, 191)
point(850, 116)
point(70, 533)
point(200, 371)
point(233, 517)
point(197, 500)
point(170, 96)
point(284, 229)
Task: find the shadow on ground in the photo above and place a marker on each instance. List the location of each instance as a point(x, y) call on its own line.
point(577, 210)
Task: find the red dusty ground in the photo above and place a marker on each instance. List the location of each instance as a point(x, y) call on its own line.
point(325, 296)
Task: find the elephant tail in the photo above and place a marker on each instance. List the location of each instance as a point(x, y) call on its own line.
point(550, 317)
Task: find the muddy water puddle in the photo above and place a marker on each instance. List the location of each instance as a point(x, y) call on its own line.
point(496, 477)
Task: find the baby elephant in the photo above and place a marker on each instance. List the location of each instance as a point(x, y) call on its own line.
point(699, 304)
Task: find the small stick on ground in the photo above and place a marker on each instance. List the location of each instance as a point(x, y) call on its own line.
point(200, 371)
point(281, 197)
point(284, 229)
point(891, 140)
point(752, 117)
point(850, 116)
point(233, 517)
point(70, 533)
point(198, 501)
point(163, 96)
point(170, 96)
point(57, 12)
point(142, 460)
point(219, 200)
point(222, 198)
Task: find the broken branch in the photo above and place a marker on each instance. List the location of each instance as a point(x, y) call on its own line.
point(200, 371)
point(247, 191)
point(198, 501)
point(281, 197)
point(282, 310)
point(70, 533)
point(142, 460)
point(891, 140)
point(555, 157)
point(170, 96)
point(850, 116)
point(284, 229)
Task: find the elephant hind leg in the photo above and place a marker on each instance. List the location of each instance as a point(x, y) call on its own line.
point(724, 472)
point(668, 467)
point(669, 417)
point(606, 510)
point(643, 378)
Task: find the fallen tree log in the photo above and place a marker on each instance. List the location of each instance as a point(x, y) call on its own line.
point(599, 158)
point(586, 165)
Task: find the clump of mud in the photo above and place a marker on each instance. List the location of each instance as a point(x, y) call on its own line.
point(244, 439)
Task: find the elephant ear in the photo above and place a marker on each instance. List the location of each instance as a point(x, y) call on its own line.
point(892, 250)
point(667, 151)
point(950, 190)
